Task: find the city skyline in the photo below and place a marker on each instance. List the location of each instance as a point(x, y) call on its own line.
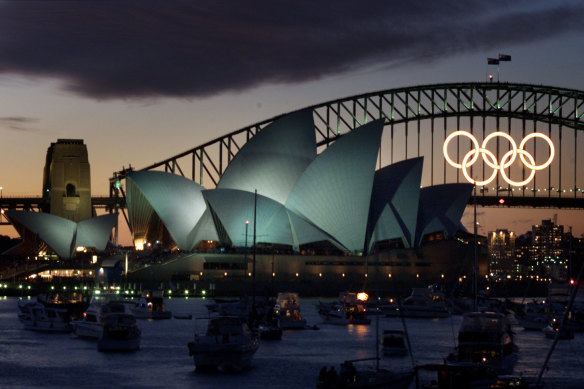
point(142, 82)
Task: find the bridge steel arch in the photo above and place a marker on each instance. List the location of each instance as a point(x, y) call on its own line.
point(417, 121)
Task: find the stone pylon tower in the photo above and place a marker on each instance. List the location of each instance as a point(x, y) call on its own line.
point(66, 180)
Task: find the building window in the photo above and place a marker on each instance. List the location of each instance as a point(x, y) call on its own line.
point(70, 190)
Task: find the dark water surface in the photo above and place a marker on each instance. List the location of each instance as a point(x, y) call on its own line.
point(31, 359)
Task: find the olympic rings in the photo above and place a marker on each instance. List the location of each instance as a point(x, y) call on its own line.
point(491, 160)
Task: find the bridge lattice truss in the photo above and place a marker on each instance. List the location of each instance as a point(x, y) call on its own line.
point(417, 120)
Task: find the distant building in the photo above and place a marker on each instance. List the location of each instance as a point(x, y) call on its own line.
point(502, 253)
point(548, 250)
point(66, 180)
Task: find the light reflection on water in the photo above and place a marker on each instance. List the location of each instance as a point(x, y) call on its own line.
point(30, 359)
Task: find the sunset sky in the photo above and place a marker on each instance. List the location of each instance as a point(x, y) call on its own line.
point(141, 81)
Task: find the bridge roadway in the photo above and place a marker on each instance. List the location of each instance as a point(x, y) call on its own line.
point(109, 204)
point(38, 204)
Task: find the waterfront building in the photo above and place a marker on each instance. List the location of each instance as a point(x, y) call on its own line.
point(502, 253)
point(548, 250)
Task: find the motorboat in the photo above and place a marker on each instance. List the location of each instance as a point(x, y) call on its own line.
point(228, 344)
point(287, 311)
point(120, 333)
point(90, 326)
point(38, 317)
point(393, 343)
point(485, 338)
point(422, 303)
point(346, 310)
point(349, 377)
point(52, 312)
point(151, 306)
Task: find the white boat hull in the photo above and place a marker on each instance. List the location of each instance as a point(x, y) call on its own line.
point(46, 325)
point(37, 317)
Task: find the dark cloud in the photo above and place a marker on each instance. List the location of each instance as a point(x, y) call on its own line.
point(112, 49)
point(16, 123)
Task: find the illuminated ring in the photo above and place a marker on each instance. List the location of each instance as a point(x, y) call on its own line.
point(475, 143)
point(521, 154)
point(489, 158)
point(511, 141)
point(465, 164)
point(532, 165)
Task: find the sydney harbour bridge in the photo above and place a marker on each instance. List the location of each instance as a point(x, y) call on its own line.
point(418, 121)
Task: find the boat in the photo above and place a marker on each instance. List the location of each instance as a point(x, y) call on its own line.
point(287, 311)
point(553, 330)
point(269, 330)
point(346, 310)
point(349, 377)
point(52, 312)
point(120, 333)
point(422, 303)
point(485, 338)
point(151, 306)
point(90, 326)
point(470, 376)
point(227, 345)
point(393, 343)
point(38, 317)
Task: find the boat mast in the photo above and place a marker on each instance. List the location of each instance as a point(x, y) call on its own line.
point(253, 286)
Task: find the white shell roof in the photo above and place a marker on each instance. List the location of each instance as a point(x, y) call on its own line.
point(95, 232)
point(441, 208)
point(177, 201)
point(394, 202)
point(275, 224)
point(335, 190)
point(274, 159)
point(63, 235)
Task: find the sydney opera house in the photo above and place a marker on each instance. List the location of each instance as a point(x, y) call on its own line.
point(312, 216)
point(328, 216)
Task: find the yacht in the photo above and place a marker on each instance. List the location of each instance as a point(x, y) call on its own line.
point(422, 303)
point(287, 310)
point(351, 377)
point(228, 344)
point(346, 310)
point(151, 306)
point(90, 326)
point(485, 338)
point(52, 312)
point(120, 333)
point(38, 317)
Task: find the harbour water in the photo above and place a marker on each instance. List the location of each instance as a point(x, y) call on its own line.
point(30, 359)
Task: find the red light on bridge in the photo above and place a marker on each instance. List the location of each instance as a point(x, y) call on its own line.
point(501, 201)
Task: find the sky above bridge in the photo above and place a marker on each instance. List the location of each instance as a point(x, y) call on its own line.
point(141, 81)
